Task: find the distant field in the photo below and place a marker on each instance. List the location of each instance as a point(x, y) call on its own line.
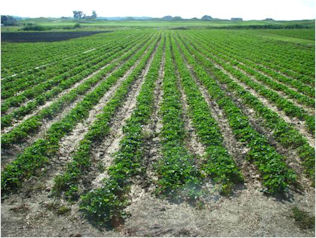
point(159, 131)
point(67, 25)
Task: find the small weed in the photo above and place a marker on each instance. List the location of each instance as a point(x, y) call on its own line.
point(303, 219)
point(100, 166)
point(63, 210)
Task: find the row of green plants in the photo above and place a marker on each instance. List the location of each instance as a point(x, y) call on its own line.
point(276, 175)
point(292, 94)
point(30, 93)
point(106, 204)
point(271, 54)
point(32, 124)
point(289, 108)
point(219, 165)
point(229, 54)
point(40, 99)
point(68, 181)
point(272, 83)
point(63, 67)
point(38, 154)
point(282, 132)
point(301, 62)
point(20, 60)
point(23, 59)
point(177, 171)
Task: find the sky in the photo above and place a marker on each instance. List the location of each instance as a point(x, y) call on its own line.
point(225, 9)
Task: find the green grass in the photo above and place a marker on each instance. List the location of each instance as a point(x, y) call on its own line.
point(57, 24)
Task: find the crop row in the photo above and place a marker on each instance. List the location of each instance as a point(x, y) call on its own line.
point(20, 132)
point(229, 53)
point(21, 58)
point(105, 204)
point(38, 154)
point(219, 164)
point(176, 171)
point(284, 133)
point(22, 82)
point(40, 99)
point(288, 107)
point(248, 48)
point(68, 181)
point(51, 83)
point(275, 174)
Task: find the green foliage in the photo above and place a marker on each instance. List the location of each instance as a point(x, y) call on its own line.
point(303, 219)
point(274, 171)
point(105, 206)
point(282, 131)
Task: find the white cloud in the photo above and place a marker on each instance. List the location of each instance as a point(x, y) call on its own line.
point(247, 9)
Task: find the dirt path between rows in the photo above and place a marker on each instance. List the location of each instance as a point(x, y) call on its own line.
point(284, 84)
point(295, 122)
point(305, 108)
point(33, 211)
point(11, 153)
point(66, 91)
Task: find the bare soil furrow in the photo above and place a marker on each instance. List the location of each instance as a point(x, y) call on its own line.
point(296, 123)
point(192, 140)
point(11, 154)
point(103, 154)
point(48, 103)
point(266, 75)
point(311, 111)
point(291, 156)
point(35, 196)
point(152, 144)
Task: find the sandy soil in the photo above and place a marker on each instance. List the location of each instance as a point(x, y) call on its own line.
point(247, 212)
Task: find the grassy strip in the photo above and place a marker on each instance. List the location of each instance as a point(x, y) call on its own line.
point(68, 181)
point(220, 165)
point(284, 133)
point(106, 204)
point(37, 155)
point(276, 176)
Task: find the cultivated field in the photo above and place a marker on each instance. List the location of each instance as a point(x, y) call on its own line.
point(160, 133)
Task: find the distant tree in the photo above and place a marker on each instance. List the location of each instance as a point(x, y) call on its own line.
point(8, 21)
point(236, 19)
point(78, 14)
point(206, 18)
point(167, 18)
point(177, 18)
point(94, 15)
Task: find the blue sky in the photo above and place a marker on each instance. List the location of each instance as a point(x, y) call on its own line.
point(247, 9)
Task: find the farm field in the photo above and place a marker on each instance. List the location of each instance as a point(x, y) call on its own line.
point(160, 132)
